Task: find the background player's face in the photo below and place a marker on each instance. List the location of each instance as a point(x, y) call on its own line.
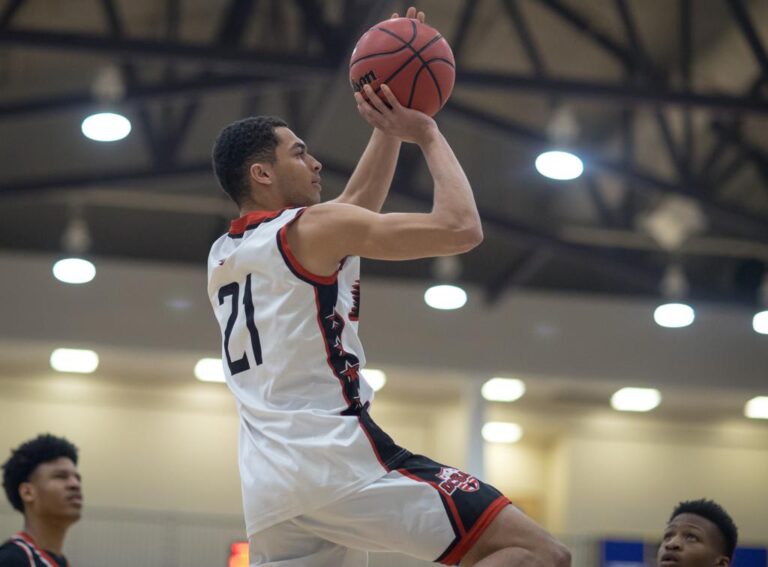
point(297, 173)
point(54, 491)
point(691, 541)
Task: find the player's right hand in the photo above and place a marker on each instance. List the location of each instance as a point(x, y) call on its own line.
point(392, 118)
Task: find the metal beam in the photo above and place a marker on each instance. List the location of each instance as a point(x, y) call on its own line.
point(582, 24)
point(617, 92)
point(237, 59)
point(8, 14)
point(517, 273)
point(750, 33)
point(646, 68)
point(462, 31)
point(644, 180)
point(145, 93)
point(526, 39)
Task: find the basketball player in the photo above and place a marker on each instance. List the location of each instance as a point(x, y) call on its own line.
point(42, 482)
point(322, 483)
point(699, 534)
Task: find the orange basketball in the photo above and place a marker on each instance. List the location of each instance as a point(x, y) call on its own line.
point(412, 58)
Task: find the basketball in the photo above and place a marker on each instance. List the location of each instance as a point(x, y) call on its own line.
point(412, 58)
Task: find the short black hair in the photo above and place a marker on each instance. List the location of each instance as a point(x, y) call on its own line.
point(715, 513)
point(238, 146)
point(26, 458)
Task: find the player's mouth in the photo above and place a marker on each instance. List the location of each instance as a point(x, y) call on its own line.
point(669, 559)
point(316, 182)
point(76, 499)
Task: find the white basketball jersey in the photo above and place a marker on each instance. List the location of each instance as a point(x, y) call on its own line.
point(292, 358)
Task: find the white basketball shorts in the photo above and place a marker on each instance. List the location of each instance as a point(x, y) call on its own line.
point(422, 509)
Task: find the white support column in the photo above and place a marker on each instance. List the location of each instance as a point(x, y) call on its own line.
point(476, 418)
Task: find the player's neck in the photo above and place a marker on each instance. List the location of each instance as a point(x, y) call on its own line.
point(46, 534)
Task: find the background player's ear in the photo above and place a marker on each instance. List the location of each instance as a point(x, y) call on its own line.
point(261, 173)
point(27, 492)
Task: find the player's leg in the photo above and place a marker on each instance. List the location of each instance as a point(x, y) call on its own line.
point(514, 539)
point(289, 545)
point(438, 513)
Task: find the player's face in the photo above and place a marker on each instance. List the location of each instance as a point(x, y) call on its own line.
point(54, 491)
point(691, 541)
point(296, 171)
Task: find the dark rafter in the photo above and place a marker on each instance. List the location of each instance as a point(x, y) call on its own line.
point(155, 148)
point(750, 33)
point(583, 25)
point(526, 39)
point(462, 31)
point(686, 46)
point(6, 17)
point(646, 69)
point(738, 219)
point(518, 273)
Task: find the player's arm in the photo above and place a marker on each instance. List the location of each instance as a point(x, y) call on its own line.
point(370, 182)
point(328, 232)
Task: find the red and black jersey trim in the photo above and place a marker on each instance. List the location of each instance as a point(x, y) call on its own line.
point(346, 367)
point(469, 513)
point(354, 314)
point(36, 556)
point(293, 263)
point(238, 227)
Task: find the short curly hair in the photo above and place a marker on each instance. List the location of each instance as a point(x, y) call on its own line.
point(238, 146)
point(715, 513)
point(27, 457)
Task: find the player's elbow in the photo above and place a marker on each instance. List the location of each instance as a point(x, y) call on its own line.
point(466, 237)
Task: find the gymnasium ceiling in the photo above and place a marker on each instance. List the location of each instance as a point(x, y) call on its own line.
point(668, 98)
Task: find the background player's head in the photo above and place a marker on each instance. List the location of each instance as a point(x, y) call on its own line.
point(262, 164)
point(40, 478)
point(700, 533)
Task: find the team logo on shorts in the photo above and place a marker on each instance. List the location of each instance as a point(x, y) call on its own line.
point(454, 478)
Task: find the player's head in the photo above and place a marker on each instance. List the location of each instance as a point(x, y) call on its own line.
point(40, 478)
point(260, 161)
point(699, 534)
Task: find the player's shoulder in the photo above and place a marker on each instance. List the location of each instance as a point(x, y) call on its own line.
point(334, 213)
point(11, 555)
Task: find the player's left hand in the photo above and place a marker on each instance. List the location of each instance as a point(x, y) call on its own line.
point(413, 14)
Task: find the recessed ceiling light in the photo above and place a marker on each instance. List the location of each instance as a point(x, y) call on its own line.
point(80, 361)
point(503, 389)
point(210, 370)
point(502, 432)
point(74, 271)
point(760, 322)
point(757, 408)
point(375, 378)
point(445, 297)
point(559, 165)
point(636, 399)
point(674, 315)
point(106, 127)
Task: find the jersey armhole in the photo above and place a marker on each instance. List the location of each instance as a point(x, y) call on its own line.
point(293, 263)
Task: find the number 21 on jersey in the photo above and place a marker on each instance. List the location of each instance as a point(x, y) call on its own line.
point(233, 290)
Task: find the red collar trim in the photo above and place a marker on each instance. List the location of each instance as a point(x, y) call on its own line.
point(25, 537)
point(250, 220)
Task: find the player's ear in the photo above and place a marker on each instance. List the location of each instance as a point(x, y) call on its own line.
point(26, 492)
point(261, 173)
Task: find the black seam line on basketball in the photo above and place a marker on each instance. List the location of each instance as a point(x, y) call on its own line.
point(416, 81)
point(405, 44)
point(414, 56)
point(443, 60)
point(380, 54)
